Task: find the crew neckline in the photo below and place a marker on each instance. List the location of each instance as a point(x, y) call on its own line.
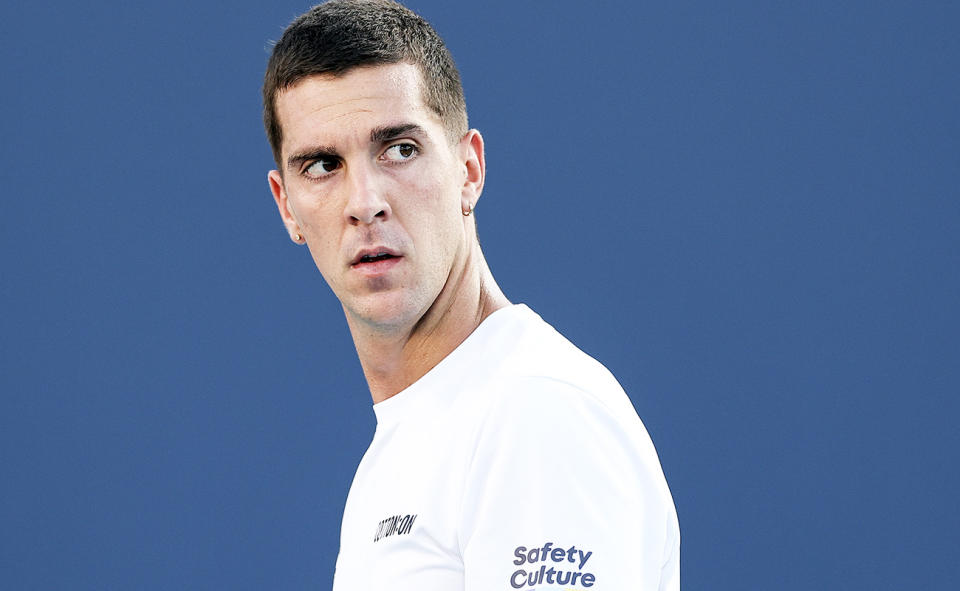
point(429, 393)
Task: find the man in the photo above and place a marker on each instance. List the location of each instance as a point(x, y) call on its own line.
point(504, 458)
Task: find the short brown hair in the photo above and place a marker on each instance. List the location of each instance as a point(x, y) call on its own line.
point(339, 35)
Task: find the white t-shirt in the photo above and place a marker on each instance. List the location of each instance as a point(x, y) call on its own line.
point(516, 463)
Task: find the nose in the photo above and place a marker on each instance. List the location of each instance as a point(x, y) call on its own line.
point(365, 201)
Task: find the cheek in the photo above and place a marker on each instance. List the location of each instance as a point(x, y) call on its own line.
point(441, 195)
point(437, 211)
point(314, 213)
point(441, 227)
point(318, 225)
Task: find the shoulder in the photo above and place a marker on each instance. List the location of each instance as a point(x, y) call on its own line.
point(534, 394)
point(548, 380)
point(554, 462)
point(565, 424)
point(541, 385)
point(539, 353)
point(558, 453)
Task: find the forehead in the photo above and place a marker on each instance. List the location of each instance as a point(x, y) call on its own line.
point(361, 99)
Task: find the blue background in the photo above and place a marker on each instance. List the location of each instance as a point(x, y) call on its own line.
point(747, 211)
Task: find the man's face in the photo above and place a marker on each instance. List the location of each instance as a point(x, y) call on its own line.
point(376, 189)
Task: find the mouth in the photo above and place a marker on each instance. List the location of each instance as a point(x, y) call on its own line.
point(373, 256)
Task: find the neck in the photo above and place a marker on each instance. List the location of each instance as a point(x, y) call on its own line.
point(393, 360)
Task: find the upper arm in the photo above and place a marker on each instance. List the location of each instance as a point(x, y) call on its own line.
point(562, 490)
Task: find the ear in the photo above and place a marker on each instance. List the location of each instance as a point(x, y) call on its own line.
point(471, 153)
point(283, 205)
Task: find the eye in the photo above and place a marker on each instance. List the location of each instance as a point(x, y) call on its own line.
point(322, 167)
point(400, 152)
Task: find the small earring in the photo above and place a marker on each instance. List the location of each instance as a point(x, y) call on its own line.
point(297, 238)
point(468, 211)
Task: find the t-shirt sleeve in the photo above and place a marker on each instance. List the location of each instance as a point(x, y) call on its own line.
point(562, 492)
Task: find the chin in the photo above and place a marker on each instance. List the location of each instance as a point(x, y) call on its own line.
point(386, 311)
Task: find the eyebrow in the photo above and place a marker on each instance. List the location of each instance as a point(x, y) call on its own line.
point(295, 161)
point(378, 135)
